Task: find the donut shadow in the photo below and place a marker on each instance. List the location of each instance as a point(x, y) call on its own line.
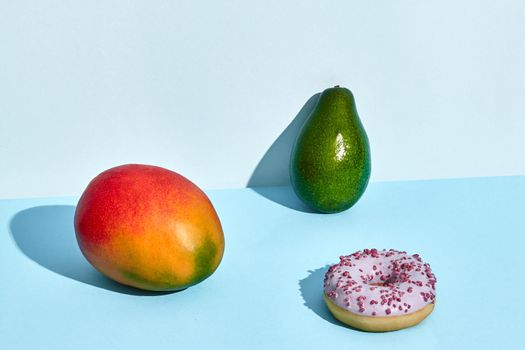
point(311, 288)
point(45, 235)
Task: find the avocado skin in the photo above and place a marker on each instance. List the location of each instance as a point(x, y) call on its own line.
point(330, 161)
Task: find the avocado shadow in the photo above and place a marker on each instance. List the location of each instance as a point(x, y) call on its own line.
point(283, 195)
point(45, 234)
point(273, 168)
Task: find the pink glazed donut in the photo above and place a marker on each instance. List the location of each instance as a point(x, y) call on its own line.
point(380, 291)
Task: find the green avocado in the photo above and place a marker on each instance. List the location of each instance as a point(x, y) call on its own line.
point(330, 161)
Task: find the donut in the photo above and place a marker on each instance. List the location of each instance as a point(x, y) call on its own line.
point(380, 290)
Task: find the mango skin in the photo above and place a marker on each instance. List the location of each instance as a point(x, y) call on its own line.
point(149, 228)
point(330, 163)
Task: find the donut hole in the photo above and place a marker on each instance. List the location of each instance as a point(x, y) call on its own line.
point(389, 280)
point(379, 284)
point(384, 284)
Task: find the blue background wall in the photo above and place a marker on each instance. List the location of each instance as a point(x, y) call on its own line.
point(216, 90)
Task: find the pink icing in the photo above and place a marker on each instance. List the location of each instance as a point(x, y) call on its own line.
point(380, 283)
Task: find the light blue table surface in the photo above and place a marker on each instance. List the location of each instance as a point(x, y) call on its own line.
point(266, 293)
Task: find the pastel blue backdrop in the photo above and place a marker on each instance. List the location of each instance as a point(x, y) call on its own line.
point(217, 89)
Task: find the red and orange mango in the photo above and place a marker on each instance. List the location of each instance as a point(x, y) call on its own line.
point(149, 227)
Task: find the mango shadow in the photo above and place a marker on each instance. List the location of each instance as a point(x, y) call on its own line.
point(45, 234)
point(273, 168)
